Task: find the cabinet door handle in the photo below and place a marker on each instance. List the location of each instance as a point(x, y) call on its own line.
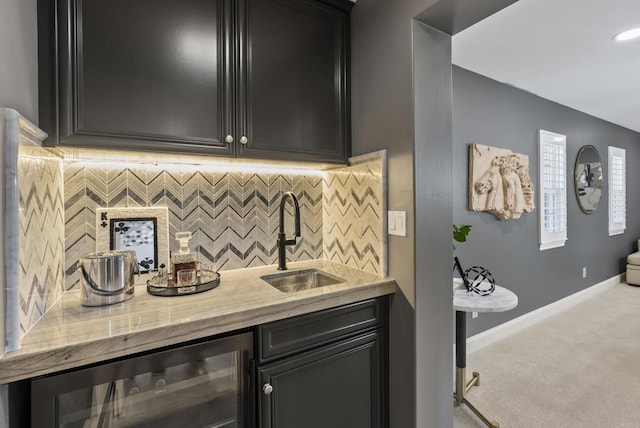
point(267, 389)
point(228, 139)
point(243, 140)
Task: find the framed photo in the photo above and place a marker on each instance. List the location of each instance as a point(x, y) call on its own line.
point(143, 230)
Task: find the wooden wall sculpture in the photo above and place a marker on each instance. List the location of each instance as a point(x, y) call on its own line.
point(499, 182)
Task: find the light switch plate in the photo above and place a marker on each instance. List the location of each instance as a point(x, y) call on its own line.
point(397, 223)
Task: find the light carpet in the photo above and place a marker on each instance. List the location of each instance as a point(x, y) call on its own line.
point(579, 368)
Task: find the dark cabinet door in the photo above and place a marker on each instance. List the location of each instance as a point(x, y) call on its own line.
point(262, 79)
point(293, 80)
point(338, 386)
point(144, 74)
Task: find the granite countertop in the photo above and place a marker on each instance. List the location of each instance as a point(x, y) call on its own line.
point(70, 335)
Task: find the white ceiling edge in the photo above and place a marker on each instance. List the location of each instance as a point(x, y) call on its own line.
point(561, 50)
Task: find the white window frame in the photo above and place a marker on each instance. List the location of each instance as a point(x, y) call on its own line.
point(552, 194)
point(617, 190)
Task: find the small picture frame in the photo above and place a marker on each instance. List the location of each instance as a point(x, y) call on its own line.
point(139, 235)
point(143, 230)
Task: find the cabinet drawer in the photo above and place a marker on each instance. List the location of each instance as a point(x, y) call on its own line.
point(297, 334)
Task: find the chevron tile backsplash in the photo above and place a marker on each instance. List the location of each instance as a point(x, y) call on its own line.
point(233, 216)
point(41, 233)
point(33, 227)
point(354, 219)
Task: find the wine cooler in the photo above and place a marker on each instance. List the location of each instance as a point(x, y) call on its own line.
point(202, 385)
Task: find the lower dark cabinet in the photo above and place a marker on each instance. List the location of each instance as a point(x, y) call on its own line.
point(337, 386)
point(326, 369)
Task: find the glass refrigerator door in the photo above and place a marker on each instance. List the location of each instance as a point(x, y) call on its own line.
point(203, 385)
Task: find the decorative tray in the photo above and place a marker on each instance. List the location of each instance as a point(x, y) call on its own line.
point(162, 285)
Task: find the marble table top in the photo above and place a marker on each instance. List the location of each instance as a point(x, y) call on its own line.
point(499, 301)
point(70, 335)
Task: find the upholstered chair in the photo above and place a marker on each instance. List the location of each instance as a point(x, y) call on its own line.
point(633, 267)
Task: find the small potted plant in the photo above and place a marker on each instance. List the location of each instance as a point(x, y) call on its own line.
point(460, 234)
point(476, 279)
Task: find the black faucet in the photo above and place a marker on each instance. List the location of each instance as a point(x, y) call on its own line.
point(282, 237)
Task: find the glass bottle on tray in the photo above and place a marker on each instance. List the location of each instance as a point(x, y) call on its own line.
point(184, 261)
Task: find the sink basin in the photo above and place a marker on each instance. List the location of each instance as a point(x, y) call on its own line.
point(298, 280)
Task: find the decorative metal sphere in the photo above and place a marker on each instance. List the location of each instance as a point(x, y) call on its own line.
point(480, 280)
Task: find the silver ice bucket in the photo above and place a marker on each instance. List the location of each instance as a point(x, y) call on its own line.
point(107, 278)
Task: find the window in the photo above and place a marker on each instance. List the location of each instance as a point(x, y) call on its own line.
point(617, 191)
point(552, 162)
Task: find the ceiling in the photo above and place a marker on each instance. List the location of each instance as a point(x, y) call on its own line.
point(562, 50)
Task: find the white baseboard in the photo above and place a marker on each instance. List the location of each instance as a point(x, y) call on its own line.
point(492, 335)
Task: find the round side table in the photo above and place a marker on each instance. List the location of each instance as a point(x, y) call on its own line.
point(464, 301)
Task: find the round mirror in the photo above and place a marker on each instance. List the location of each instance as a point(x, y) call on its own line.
point(588, 179)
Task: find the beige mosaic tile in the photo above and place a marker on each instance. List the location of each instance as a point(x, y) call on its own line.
point(41, 231)
point(354, 208)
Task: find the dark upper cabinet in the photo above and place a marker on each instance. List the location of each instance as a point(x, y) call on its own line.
point(148, 74)
point(293, 81)
point(252, 78)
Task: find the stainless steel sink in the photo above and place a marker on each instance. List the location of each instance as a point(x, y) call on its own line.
point(298, 280)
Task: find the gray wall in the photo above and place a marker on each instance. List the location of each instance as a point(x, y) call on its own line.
point(401, 97)
point(488, 112)
point(382, 108)
point(432, 100)
point(18, 57)
point(382, 118)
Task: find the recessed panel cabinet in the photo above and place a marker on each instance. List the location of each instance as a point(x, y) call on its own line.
point(261, 79)
point(147, 74)
point(325, 369)
point(339, 386)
